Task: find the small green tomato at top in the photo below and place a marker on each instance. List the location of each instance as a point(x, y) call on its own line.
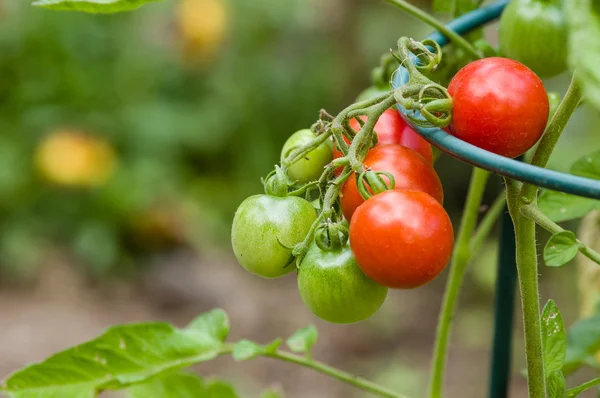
point(310, 167)
point(266, 228)
point(334, 288)
point(535, 33)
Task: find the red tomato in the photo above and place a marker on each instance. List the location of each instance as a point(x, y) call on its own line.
point(401, 238)
point(410, 171)
point(499, 105)
point(392, 129)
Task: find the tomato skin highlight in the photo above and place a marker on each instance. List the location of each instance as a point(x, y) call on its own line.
point(401, 239)
point(392, 129)
point(535, 33)
point(334, 288)
point(264, 230)
point(410, 171)
point(311, 166)
point(500, 105)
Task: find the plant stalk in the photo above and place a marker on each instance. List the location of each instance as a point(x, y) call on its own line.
point(435, 23)
point(458, 264)
point(527, 266)
point(320, 367)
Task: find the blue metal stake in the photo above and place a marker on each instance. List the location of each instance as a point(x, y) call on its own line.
point(503, 310)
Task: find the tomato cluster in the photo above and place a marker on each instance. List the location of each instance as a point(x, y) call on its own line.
point(365, 214)
point(400, 238)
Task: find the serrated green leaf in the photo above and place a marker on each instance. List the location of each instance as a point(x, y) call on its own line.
point(583, 341)
point(303, 339)
point(92, 6)
point(273, 346)
point(588, 166)
point(556, 385)
point(122, 356)
point(180, 385)
point(573, 392)
point(584, 46)
point(554, 339)
point(561, 248)
point(561, 207)
point(246, 349)
point(214, 322)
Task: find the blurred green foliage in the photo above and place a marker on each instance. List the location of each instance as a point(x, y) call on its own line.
point(194, 118)
point(192, 129)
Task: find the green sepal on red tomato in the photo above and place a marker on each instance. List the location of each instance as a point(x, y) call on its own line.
point(392, 129)
point(265, 230)
point(334, 288)
point(500, 105)
point(310, 167)
point(535, 33)
point(409, 169)
point(401, 238)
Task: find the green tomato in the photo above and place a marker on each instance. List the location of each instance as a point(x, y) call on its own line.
point(310, 167)
point(535, 33)
point(266, 228)
point(334, 288)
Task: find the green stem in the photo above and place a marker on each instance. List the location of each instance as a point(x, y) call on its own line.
point(488, 222)
point(454, 37)
point(460, 259)
point(320, 367)
point(527, 266)
point(527, 269)
point(534, 213)
point(553, 132)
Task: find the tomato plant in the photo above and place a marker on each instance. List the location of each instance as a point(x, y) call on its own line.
point(409, 170)
point(401, 238)
point(265, 228)
point(335, 289)
point(534, 32)
point(371, 217)
point(499, 105)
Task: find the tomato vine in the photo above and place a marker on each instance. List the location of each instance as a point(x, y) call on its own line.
point(354, 225)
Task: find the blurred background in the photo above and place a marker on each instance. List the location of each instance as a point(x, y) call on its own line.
point(126, 144)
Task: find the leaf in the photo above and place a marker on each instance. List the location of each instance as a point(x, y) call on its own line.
point(556, 385)
point(273, 346)
point(92, 6)
point(122, 356)
point(584, 46)
point(561, 207)
point(220, 389)
point(554, 338)
point(303, 339)
point(180, 385)
point(575, 391)
point(561, 248)
point(215, 323)
point(588, 166)
point(246, 349)
point(583, 340)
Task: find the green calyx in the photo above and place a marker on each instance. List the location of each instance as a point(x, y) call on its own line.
point(420, 93)
point(331, 236)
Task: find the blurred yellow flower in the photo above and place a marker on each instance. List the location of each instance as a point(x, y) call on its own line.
point(202, 25)
point(72, 158)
